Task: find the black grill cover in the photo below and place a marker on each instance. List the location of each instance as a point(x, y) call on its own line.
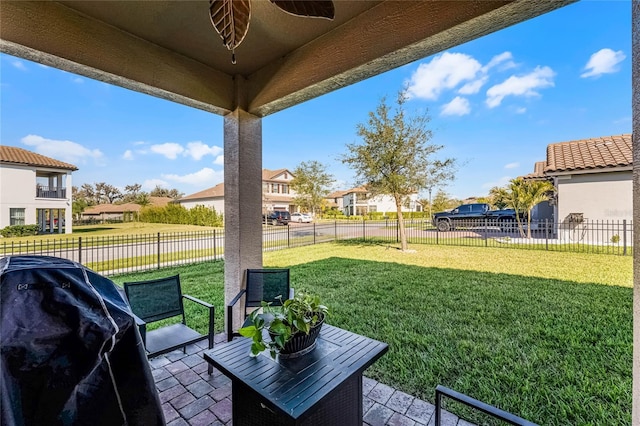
point(70, 351)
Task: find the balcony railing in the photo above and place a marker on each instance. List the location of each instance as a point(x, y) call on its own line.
point(50, 192)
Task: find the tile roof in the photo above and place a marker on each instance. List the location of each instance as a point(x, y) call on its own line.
point(588, 154)
point(213, 192)
point(126, 207)
point(15, 155)
point(271, 174)
point(336, 194)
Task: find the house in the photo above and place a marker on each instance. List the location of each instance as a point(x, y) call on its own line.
point(119, 212)
point(593, 179)
point(357, 201)
point(35, 189)
point(276, 193)
point(335, 200)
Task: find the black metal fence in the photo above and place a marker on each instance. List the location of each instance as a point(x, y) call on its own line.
point(129, 253)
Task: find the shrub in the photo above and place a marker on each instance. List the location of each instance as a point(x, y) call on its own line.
point(615, 239)
point(178, 214)
point(19, 231)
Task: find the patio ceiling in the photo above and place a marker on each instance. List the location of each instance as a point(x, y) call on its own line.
point(170, 49)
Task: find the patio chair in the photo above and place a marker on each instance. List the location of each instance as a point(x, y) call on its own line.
point(262, 285)
point(159, 299)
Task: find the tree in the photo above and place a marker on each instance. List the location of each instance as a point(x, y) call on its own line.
point(498, 197)
point(159, 191)
point(312, 184)
point(107, 193)
point(395, 157)
point(524, 195)
point(142, 199)
point(442, 201)
point(438, 174)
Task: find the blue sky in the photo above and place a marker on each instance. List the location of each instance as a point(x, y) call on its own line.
point(495, 104)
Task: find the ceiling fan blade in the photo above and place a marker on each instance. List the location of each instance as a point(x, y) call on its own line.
point(311, 8)
point(231, 20)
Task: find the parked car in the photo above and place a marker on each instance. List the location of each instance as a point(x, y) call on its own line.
point(277, 218)
point(301, 217)
point(477, 214)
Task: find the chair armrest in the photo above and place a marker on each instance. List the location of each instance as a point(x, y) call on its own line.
point(193, 299)
point(230, 314)
point(211, 316)
point(142, 328)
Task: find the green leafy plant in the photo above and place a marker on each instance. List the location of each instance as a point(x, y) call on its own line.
point(297, 315)
point(615, 239)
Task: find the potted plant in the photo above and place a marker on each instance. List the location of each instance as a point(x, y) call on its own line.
point(289, 330)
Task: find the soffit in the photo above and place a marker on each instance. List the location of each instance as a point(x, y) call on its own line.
point(169, 49)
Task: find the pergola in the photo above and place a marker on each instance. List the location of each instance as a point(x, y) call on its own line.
point(169, 49)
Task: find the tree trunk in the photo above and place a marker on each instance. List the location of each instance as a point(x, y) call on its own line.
point(529, 224)
point(403, 234)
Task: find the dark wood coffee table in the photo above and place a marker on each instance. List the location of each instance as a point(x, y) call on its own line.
point(323, 387)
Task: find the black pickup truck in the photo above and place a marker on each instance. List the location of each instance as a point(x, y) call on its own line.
point(474, 215)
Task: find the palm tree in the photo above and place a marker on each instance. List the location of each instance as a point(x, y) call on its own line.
point(523, 195)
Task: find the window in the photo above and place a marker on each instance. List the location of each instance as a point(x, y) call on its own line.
point(285, 175)
point(477, 208)
point(466, 208)
point(285, 189)
point(16, 216)
point(274, 188)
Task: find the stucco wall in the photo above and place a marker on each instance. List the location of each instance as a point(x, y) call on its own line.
point(18, 190)
point(216, 203)
point(599, 196)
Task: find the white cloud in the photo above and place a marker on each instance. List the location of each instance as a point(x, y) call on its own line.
point(219, 160)
point(67, 151)
point(150, 184)
point(128, 155)
point(521, 110)
point(445, 71)
point(197, 150)
point(77, 80)
point(504, 59)
point(458, 106)
point(512, 166)
point(500, 182)
point(604, 61)
point(205, 176)
point(169, 150)
point(473, 87)
point(19, 65)
point(136, 143)
point(526, 85)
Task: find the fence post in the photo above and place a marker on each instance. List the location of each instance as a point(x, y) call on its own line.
point(624, 237)
point(397, 230)
point(288, 237)
point(364, 231)
point(546, 233)
point(486, 232)
point(314, 233)
point(158, 250)
point(335, 229)
point(215, 251)
point(79, 249)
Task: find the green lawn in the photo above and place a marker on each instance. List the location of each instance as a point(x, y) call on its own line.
point(545, 335)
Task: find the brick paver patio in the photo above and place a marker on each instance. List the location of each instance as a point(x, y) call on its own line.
point(190, 396)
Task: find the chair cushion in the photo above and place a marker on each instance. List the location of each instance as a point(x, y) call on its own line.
point(169, 338)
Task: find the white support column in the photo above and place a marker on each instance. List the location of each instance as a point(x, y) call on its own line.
point(242, 201)
point(635, 105)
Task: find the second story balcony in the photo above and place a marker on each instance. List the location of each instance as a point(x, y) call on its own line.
point(50, 192)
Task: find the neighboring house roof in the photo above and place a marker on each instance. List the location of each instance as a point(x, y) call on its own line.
point(589, 154)
point(336, 194)
point(126, 207)
point(271, 175)
point(358, 190)
point(15, 155)
point(213, 192)
point(538, 171)
point(277, 198)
